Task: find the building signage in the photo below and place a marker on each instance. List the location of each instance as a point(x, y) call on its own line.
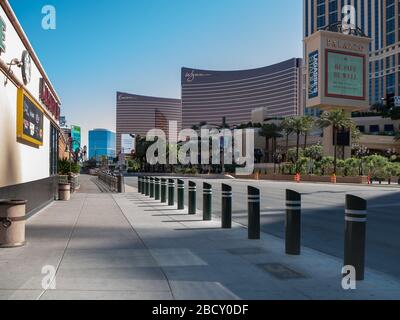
point(313, 76)
point(48, 99)
point(2, 36)
point(76, 137)
point(26, 67)
point(127, 143)
point(29, 119)
point(346, 45)
point(191, 76)
point(345, 75)
point(397, 101)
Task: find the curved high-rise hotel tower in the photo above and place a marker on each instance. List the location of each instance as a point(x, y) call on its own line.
point(208, 96)
point(138, 114)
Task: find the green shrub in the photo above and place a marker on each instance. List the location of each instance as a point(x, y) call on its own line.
point(375, 165)
point(315, 152)
point(340, 168)
point(66, 166)
point(302, 165)
point(352, 167)
point(327, 166)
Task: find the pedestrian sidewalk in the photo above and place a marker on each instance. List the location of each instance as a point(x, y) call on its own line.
point(128, 246)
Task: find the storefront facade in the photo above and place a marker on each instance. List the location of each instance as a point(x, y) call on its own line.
point(29, 119)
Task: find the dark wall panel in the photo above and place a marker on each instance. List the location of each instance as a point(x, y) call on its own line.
point(38, 193)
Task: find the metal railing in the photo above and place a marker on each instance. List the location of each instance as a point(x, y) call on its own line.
point(110, 180)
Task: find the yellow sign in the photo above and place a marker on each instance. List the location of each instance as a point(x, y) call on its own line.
point(30, 116)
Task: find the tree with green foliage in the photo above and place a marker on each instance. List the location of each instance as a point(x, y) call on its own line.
point(287, 128)
point(338, 120)
point(270, 131)
point(308, 126)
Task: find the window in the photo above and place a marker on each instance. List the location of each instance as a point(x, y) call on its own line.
point(374, 128)
point(361, 129)
point(321, 20)
point(390, 83)
point(389, 128)
point(53, 150)
point(390, 22)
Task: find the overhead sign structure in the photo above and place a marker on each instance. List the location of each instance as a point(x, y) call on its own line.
point(29, 119)
point(127, 143)
point(337, 71)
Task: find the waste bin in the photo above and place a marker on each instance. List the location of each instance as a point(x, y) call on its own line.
point(64, 191)
point(12, 223)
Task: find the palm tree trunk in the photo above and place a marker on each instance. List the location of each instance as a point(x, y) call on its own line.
point(297, 146)
point(305, 141)
point(335, 150)
point(287, 146)
point(267, 149)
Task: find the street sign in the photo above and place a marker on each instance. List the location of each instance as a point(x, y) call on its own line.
point(397, 101)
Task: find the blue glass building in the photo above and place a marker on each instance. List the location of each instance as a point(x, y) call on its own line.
point(102, 143)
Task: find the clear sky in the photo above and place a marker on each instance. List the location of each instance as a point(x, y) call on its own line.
point(139, 46)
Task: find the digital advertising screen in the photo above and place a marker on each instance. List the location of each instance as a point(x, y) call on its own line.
point(345, 75)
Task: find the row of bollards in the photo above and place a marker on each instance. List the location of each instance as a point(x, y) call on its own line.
point(355, 215)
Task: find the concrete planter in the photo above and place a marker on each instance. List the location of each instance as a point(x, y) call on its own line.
point(64, 191)
point(12, 223)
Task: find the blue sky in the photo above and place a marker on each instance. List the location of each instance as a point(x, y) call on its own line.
point(139, 46)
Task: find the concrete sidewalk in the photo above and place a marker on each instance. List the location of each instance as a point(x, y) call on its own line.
point(127, 246)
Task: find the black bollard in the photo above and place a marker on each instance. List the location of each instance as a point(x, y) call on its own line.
point(226, 213)
point(181, 194)
point(139, 184)
point(151, 187)
point(120, 183)
point(207, 202)
point(253, 213)
point(142, 188)
point(171, 192)
point(293, 223)
point(192, 197)
point(147, 187)
point(157, 185)
point(355, 234)
point(163, 190)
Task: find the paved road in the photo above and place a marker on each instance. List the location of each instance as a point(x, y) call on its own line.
point(323, 215)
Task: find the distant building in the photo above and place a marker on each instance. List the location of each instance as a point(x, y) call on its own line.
point(139, 114)
point(208, 96)
point(101, 143)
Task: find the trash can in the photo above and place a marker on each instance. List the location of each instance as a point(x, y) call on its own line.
point(64, 191)
point(12, 223)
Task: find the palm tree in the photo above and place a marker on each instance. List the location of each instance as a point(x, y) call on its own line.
point(287, 127)
point(298, 129)
point(338, 120)
point(308, 125)
point(270, 131)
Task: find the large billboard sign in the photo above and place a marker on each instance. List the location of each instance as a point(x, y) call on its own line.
point(313, 76)
point(345, 75)
point(29, 119)
point(76, 137)
point(336, 71)
point(127, 143)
